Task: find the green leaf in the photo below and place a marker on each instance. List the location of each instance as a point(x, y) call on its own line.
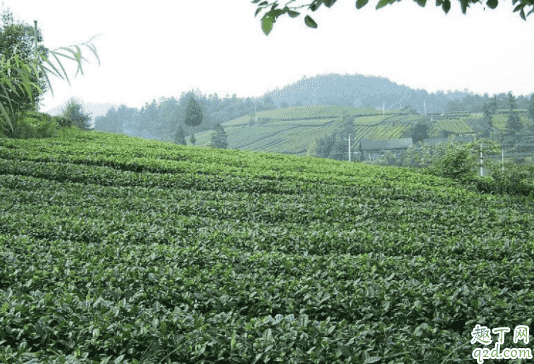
point(361, 3)
point(518, 7)
point(267, 25)
point(257, 11)
point(465, 5)
point(381, 4)
point(329, 3)
point(421, 3)
point(372, 359)
point(310, 22)
point(315, 5)
point(263, 3)
point(293, 14)
point(255, 1)
point(492, 4)
point(446, 6)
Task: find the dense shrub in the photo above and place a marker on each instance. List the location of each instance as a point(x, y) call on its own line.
point(63, 121)
point(30, 127)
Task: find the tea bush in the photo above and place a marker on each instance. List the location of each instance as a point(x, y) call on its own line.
point(30, 127)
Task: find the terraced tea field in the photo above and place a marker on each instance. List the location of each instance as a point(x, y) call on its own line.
point(123, 250)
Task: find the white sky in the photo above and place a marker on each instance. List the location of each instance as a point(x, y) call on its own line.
point(159, 48)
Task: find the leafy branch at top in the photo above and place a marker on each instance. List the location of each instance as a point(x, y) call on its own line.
point(270, 17)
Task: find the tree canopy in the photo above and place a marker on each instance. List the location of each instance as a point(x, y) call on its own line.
point(74, 111)
point(193, 113)
point(19, 39)
point(28, 73)
point(269, 18)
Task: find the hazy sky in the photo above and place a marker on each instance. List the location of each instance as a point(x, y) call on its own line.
point(160, 48)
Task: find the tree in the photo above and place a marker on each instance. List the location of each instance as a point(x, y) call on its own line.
point(420, 132)
point(193, 113)
point(219, 139)
point(103, 123)
point(531, 107)
point(179, 136)
point(249, 105)
point(284, 105)
point(16, 39)
point(488, 109)
point(124, 117)
point(28, 80)
point(268, 103)
point(214, 101)
point(269, 18)
point(514, 124)
point(512, 101)
point(238, 106)
point(312, 150)
point(167, 111)
point(75, 113)
point(192, 140)
point(149, 115)
point(340, 144)
point(340, 148)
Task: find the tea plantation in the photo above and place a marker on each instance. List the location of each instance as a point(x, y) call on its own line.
point(116, 249)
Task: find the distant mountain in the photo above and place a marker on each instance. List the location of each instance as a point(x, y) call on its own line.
point(92, 109)
point(360, 91)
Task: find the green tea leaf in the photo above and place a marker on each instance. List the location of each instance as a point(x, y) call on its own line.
point(266, 25)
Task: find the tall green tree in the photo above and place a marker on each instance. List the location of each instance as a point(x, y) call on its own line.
point(531, 107)
point(340, 148)
point(74, 111)
point(249, 105)
point(167, 114)
point(193, 113)
point(270, 17)
point(149, 115)
point(179, 136)
point(19, 39)
point(214, 101)
point(513, 124)
point(110, 122)
point(28, 81)
point(312, 150)
point(268, 103)
point(192, 140)
point(488, 109)
point(219, 139)
point(420, 132)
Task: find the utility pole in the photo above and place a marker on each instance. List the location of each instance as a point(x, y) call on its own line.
point(349, 146)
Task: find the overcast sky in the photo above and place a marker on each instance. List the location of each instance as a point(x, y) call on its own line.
point(160, 48)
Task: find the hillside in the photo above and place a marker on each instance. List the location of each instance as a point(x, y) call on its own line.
point(121, 249)
point(292, 130)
